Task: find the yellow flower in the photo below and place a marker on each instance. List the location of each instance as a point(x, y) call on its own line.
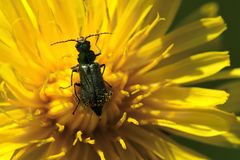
point(149, 70)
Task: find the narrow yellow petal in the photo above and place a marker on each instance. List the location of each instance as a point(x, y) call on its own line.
point(225, 74)
point(14, 84)
point(7, 156)
point(9, 147)
point(62, 8)
point(56, 156)
point(167, 10)
point(30, 13)
point(125, 154)
point(194, 34)
point(152, 63)
point(229, 138)
point(8, 49)
point(14, 10)
point(87, 153)
point(189, 97)
point(4, 22)
point(163, 147)
point(11, 116)
point(142, 137)
point(22, 29)
point(46, 21)
point(179, 152)
point(127, 20)
point(105, 148)
point(189, 69)
point(214, 123)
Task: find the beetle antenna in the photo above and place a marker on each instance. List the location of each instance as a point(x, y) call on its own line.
point(98, 34)
point(64, 41)
point(97, 45)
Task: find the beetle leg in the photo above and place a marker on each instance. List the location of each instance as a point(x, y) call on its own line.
point(75, 92)
point(76, 108)
point(98, 54)
point(97, 46)
point(70, 83)
point(104, 66)
point(74, 69)
point(108, 84)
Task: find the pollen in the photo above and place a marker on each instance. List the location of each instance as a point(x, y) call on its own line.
point(125, 93)
point(122, 143)
point(56, 156)
point(135, 106)
point(121, 120)
point(132, 120)
point(43, 141)
point(101, 154)
point(78, 138)
point(60, 127)
point(89, 140)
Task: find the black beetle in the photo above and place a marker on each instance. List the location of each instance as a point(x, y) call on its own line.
point(94, 91)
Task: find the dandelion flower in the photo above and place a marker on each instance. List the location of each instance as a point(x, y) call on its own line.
point(149, 70)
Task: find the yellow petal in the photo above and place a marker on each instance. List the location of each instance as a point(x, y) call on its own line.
point(143, 138)
point(180, 152)
point(191, 121)
point(128, 24)
point(189, 69)
point(167, 10)
point(145, 58)
point(194, 34)
point(7, 156)
point(95, 9)
point(4, 22)
point(9, 147)
point(62, 8)
point(48, 26)
point(152, 42)
point(11, 117)
point(27, 153)
point(230, 138)
point(56, 150)
point(187, 97)
point(14, 11)
point(7, 133)
point(163, 147)
point(8, 49)
point(14, 84)
point(87, 153)
point(25, 37)
point(56, 12)
point(125, 154)
point(225, 74)
point(23, 31)
point(104, 145)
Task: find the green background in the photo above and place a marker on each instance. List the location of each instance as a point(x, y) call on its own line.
point(230, 10)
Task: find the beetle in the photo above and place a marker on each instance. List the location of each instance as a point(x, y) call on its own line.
point(94, 91)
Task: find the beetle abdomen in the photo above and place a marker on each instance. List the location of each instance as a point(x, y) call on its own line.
point(93, 90)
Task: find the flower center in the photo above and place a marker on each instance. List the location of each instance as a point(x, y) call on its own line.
point(59, 99)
